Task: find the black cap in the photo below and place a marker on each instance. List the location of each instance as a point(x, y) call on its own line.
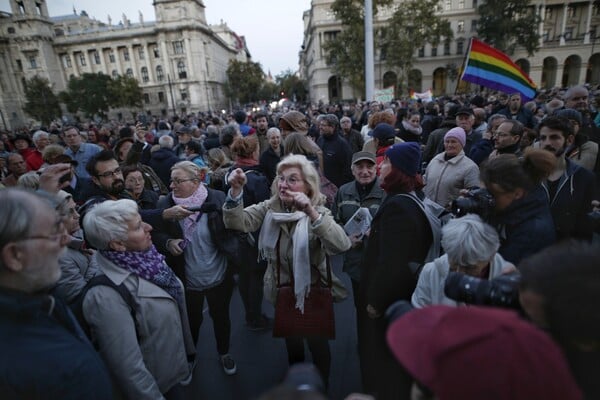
point(465, 111)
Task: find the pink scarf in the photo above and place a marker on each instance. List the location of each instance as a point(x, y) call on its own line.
point(196, 199)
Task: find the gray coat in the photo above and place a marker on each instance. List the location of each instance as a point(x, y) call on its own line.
point(147, 367)
point(77, 268)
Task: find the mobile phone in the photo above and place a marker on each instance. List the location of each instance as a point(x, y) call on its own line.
point(182, 244)
point(193, 208)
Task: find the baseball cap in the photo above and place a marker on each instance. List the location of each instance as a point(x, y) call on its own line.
point(470, 352)
point(363, 155)
point(465, 111)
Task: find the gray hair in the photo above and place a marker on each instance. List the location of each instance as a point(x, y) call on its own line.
point(107, 221)
point(191, 169)
point(495, 117)
point(38, 135)
point(230, 129)
point(468, 240)
point(273, 130)
point(18, 214)
point(309, 173)
point(29, 180)
point(330, 119)
point(345, 118)
point(166, 142)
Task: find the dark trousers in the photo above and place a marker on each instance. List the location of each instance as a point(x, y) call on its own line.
point(218, 298)
point(319, 349)
point(251, 286)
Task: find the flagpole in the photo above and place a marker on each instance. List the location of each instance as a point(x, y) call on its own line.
point(462, 67)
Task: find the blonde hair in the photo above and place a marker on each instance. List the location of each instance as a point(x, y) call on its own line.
point(309, 173)
point(192, 170)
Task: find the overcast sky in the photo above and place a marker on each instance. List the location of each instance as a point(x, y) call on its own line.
point(273, 28)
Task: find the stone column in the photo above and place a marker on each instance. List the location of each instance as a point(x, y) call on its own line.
point(588, 23)
point(564, 24)
point(542, 14)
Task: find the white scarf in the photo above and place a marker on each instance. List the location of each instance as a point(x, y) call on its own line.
point(267, 240)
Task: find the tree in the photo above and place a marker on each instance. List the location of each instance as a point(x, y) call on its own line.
point(291, 86)
point(413, 24)
point(244, 80)
point(90, 93)
point(346, 49)
point(41, 103)
point(125, 92)
point(508, 24)
point(268, 91)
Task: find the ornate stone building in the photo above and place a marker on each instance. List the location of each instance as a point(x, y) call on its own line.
point(568, 53)
point(179, 60)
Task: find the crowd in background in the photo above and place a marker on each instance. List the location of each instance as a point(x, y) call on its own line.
point(153, 204)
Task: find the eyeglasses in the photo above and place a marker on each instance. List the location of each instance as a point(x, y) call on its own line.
point(108, 174)
point(180, 181)
point(291, 180)
point(502, 134)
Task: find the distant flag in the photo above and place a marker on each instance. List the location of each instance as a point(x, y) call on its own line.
point(425, 96)
point(486, 66)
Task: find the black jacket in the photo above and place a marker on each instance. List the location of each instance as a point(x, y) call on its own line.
point(45, 354)
point(161, 162)
point(337, 159)
point(572, 202)
point(268, 162)
point(171, 229)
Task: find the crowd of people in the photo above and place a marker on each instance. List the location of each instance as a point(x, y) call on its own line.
point(113, 236)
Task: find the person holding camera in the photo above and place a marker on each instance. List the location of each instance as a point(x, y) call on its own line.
point(521, 213)
point(471, 248)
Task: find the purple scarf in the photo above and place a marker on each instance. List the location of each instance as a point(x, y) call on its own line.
point(149, 265)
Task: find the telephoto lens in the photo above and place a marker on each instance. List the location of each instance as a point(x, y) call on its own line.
point(502, 291)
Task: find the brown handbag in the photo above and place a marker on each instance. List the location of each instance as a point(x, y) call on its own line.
point(317, 320)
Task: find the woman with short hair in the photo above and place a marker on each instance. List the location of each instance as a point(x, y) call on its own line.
point(471, 247)
point(147, 349)
point(194, 249)
point(135, 185)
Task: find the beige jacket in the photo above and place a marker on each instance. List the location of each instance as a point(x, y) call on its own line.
point(327, 237)
point(148, 367)
point(445, 179)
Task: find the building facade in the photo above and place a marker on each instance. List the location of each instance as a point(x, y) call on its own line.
point(568, 54)
point(179, 60)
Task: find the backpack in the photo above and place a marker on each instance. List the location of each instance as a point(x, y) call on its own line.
point(77, 304)
point(437, 217)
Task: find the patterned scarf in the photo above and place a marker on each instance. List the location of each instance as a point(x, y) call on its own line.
point(188, 225)
point(149, 265)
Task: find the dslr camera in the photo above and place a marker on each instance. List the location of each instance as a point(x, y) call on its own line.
point(502, 291)
point(477, 201)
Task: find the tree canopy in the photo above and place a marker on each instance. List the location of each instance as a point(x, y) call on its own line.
point(41, 103)
point(508, 24)
point(411, 25)
point(244, 81)
point(291, 86)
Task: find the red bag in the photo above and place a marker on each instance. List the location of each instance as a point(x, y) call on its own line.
point(317, 320)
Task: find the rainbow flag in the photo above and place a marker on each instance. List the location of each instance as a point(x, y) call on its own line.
point(486, 66)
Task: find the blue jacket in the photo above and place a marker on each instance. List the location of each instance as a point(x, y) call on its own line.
point(525, 227)
point(45, 354)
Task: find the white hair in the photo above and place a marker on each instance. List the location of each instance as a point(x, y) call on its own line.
point(468, 240)
point(38, 135)
point(107, 221)
point(273, 130)
point(166, 141)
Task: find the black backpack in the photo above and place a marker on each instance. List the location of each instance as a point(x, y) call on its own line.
point(77, 304)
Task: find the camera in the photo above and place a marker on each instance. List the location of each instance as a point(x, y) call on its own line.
point(502, 291)
point(477, 201)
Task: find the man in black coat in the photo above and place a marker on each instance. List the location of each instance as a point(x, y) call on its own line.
point(163, 159)
point(337, 154)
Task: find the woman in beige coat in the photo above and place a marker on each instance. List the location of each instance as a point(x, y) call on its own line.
point(296, 232)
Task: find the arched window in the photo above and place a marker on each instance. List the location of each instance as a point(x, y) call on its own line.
point(144, 73)
point(115, 74)
point(129, 72)
point(181, 70)
point(160, 76)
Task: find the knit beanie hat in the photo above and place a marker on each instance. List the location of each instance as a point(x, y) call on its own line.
point(569, 113)
point(406, 157)
point(457, 133)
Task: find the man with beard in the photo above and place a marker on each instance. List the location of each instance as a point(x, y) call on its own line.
point(337, 155)
point(109, 185)
point(262, 126)
point(515, 110)
point(17, 167)
point(570, 188)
